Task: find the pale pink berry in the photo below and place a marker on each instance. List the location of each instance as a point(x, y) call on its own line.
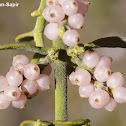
point(71, 37)
point(111, 105)
point(76, 21)
point(77, 68)
point(30, 96)
point(31, 71)
point(20, 103)
point(61, 1)
point(119, 95)
point(53, 13)
point(116, 80)
point(51, 2)
point(91, 58)
point(29, 87)
point(70, 7)
point(19, 67)
point(51, 31)
point(72, 78)
point(102, 73)
point(14, 77)
point(105, 61)
point(4, 102)
point(44, 82)
point(47, 70)
point(82, 77)
point(86, 91)
point(20, 59)
point(82, 6)
point(3, 83)
point(12, 93)
point(99, 99)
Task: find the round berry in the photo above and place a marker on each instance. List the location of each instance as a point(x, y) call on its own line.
point(44, 82)
point(76, 21)
point(51, 2)
point(105, 61)
point(3, 83)
point(70, 7)
point(102, 73)
point(12, 93)
point(91, 58)
point(77, 68)
point(99, 99)
point(71, 37)
point(47, 70)
point(4, 102)
point(82, 6)
point(14, 77)
point(119, 95)
point(29, 87)
point(20, 103)
point(86, 91)
point(111, 105)
point(19, 67)
point(72, 78)
point(116, 80)
point(20, 59)
point(51, 31)
point(82, 77)
point(31, 71)
point(30, 96)
point(53, 13)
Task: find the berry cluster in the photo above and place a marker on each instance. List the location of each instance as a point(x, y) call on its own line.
point(104, 88)
point(21, 82)
point(65, 16)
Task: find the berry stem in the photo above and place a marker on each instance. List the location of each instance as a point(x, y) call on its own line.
point(60, 84)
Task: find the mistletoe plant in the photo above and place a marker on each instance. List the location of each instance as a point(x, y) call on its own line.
point(78, 62)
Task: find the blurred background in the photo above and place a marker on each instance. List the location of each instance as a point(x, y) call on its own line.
point(104, 18)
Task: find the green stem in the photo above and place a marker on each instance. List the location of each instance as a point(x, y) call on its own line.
point(40, 24)
point(60, 84)
point(27, 47)
point(81, 64)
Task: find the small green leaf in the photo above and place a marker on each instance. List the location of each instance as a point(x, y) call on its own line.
point(26, 47)
point(29, 36)
point(109, 42)
point(74, 122)
point(27, 123)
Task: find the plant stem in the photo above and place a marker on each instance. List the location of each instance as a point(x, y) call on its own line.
point(26, 47)
point(60, 84)
point(40, 24)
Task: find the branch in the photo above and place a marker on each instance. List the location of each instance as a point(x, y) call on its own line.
point(40, 9)
point(81, 64)
point(27, 47)
point(37, 33)
point(40, 24)
point(44, 60)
